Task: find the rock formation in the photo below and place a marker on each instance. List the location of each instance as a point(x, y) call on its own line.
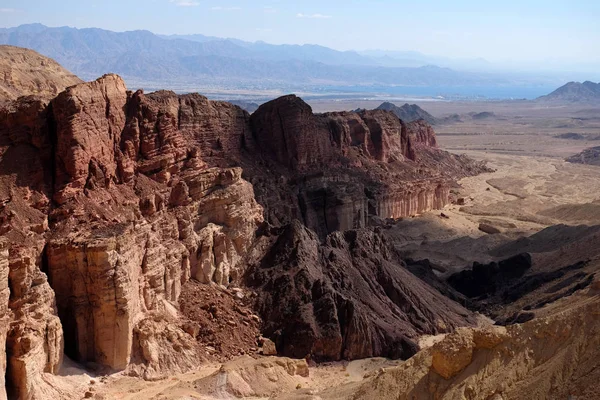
point(337, 171)
point(346, 299)
point(589, 156)
point(408, 112)
point(26, 72)
point(111, 201)
point(554, 356)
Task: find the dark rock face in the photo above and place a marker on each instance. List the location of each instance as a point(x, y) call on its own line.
point(408, 112)
point(589, 156)
point(487, 279)
point(286, 130)
point(513, 289)
point(348, 298)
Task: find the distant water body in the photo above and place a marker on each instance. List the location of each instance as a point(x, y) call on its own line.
point(448, 92)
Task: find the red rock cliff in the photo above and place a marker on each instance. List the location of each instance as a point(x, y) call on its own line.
point(110, 201)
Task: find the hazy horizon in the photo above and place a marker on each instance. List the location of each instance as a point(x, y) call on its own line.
point(559, 35)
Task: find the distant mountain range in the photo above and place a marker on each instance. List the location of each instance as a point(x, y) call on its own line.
point(142, 56)
point(232, 67)
point(574, 92)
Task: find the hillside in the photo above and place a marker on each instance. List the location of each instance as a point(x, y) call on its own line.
point(408, 112)
point(25, 72)
point(575, 92)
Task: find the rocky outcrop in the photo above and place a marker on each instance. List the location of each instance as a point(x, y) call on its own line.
point(160, 215)
point(589, 156)
point(89, 119)
point(420, 132)
point(348, 298)
point(287, 131)
point(554, 356)
point(408, 112)
point(32, 334)
point(336, 171)
point(137, 212)
point(249, 378)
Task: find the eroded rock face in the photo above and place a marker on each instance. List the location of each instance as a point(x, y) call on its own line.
point(89, 120)
point(32, 333)
point(335, 171)
point(137, 213)
point(110, 201)
point(4, 313)
point(420, 132)
point(349, 298)
point(158, 213)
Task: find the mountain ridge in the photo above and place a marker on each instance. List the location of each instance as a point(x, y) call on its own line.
point(143, 56)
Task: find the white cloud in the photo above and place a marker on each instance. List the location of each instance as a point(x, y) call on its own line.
point(226, 8)
point(269, 10)
point(7, 10)
point(185, 3)
point(314, 16)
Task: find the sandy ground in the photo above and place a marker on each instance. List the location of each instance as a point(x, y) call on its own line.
point(524, 195)
point(193, 386)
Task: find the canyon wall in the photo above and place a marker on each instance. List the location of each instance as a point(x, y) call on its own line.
point(342, 169)
point(111, 200)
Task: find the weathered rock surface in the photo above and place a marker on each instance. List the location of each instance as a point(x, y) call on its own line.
point(111, 201)
point(554, 356)
point(26, 72)
point(159, 214)
point(335, 171)
point(348, 298)
point(247, 377)
point(136, 214)
point(33, 333)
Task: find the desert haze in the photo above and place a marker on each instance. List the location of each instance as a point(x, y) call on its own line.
point(350, 224)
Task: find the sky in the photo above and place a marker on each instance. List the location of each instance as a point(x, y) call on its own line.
point(527, 32)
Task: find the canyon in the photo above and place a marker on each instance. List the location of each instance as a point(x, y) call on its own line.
point(115, 203)
point(162, 245)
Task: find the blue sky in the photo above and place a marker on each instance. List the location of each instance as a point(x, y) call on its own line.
point(531, 32)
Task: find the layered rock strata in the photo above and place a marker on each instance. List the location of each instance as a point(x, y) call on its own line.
point(337, 171)
point(111, 200)
point(105, 192)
